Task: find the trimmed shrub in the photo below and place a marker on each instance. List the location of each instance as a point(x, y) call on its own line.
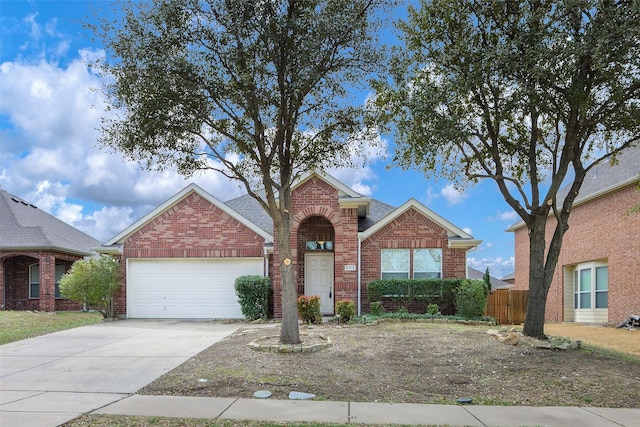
point(376, 309)
point(93, 282)
point(253, 295)
point(471, 299)
point(346, 309)
point(403, 292)
point(309, 309)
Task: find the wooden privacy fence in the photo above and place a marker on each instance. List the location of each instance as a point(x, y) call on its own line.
point(507, 306)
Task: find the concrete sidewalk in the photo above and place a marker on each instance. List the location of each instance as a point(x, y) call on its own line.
point(368, 413)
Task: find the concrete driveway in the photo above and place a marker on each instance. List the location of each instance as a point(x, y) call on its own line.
point(48, 380)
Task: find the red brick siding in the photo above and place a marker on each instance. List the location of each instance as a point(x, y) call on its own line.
point(14, 281)
point(411, 230)
point(598, 229)
point(316, 212)
point(192, 228)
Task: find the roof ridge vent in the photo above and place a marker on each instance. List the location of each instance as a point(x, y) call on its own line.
point(15, 199)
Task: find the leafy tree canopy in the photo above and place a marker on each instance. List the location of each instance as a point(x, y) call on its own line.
point(531, 94)
point(258, 90)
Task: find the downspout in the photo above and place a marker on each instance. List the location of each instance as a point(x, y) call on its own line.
point(466, 265)
point(359, 277)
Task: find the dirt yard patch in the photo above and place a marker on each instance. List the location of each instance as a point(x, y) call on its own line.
point(412, 363)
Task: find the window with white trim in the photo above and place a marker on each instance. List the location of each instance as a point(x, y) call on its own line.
point(395, 263)
point(427, 263)
point(591, 286)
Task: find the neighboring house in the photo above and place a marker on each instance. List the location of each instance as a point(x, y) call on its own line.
point(181, 259)
point(596, 280)
point(496, 283)
point(510, 278)
point(36, 249)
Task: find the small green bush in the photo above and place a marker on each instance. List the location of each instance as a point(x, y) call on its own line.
point(309, 309)
point(346, 309)
point(376, 308)
point(471, 299)
point(402, 310)
point(253, 295)
point(94, 282)
point(433, 309)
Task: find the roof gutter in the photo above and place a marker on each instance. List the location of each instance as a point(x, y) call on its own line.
point(53, 248)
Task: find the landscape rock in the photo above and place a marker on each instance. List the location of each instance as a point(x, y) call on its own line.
point(511, 339)
point(298, 395)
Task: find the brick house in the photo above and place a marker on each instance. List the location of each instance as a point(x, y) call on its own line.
point(596, 280)
point(181, 259)
point(36, 249)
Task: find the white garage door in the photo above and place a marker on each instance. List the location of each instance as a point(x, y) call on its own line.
point(186, 288)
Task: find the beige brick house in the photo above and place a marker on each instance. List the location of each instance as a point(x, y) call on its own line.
point(181, 259)
point(596, 280)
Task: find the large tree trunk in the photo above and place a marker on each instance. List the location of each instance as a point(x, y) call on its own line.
point(289, 332)
point(541, 269)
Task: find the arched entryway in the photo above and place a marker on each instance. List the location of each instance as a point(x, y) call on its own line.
point(316, 271)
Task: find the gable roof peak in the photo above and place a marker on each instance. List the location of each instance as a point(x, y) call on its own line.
point(458, 238)
point(175, 199)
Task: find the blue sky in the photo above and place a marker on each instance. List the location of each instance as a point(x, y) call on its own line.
point(51, 109)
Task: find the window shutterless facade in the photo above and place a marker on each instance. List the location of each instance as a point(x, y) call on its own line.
point(395, 263)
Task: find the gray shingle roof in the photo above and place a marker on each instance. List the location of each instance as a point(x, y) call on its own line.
point(377, 211)
point(606, 177)
point(248, 207)
point(603, 178)
point(25, 227)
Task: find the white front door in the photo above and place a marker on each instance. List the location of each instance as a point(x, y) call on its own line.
point(318, 279)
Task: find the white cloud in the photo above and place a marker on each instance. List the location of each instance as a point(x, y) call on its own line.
point(468, 230)
point(363, 155)
point(507, 216)
point(452, 195)
point(429, 197)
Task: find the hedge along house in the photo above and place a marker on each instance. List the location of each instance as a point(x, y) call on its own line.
point(36, 249)
point(181, 259)
point(596, 279)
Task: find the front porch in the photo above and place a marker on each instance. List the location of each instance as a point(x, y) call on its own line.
point(30, 281)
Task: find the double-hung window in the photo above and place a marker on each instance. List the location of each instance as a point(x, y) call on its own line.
point(427, 263)
point(34, 280)
point(396, 263)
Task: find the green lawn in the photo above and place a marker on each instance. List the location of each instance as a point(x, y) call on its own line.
point(19, 325)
